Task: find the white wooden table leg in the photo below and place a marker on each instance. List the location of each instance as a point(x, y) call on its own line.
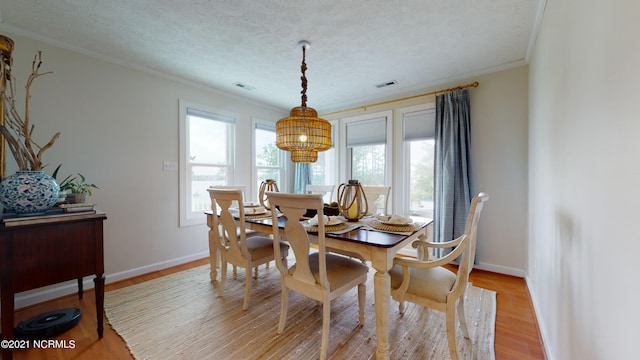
point(382, 291)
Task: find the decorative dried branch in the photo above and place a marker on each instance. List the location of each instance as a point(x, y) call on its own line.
point(17, 129)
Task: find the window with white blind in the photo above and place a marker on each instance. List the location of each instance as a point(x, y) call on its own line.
point(418, 138)
point(366, 143)
point(207, 139)
point(269, 160)
point(324, 171)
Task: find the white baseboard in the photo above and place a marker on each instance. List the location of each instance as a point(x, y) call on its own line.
point(540, 320)
point(411, 252)
point(500, 269)
point(39, 295)
point(154, 267)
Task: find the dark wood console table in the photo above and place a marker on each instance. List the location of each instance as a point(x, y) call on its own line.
point(44, 250)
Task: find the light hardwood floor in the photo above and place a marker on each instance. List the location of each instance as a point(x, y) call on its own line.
point(517, 335)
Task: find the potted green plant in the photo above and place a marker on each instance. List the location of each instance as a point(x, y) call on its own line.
point(79, 189)
point(64, 185)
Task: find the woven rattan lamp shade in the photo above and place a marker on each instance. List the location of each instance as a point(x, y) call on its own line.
point(303, 133)
point(304, 156)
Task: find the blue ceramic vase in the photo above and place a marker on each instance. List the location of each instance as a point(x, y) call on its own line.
point(28, 192)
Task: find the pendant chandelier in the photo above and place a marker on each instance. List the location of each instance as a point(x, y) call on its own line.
point(303, 133)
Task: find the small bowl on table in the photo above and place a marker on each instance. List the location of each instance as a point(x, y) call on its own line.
point(328, 211)
point(331, 210)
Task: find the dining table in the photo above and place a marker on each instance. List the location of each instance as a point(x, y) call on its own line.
point(378, 247)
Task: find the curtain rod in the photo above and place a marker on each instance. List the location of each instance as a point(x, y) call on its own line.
point(364, 107)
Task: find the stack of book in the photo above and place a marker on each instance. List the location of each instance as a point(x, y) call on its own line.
point(72, 208)
point(55, 213)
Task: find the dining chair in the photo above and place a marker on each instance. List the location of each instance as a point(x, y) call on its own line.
point(326, 191)
point(234, 204)
point(318, 275)
point(429, 284)
point(235, 247)
point(242, 188)
point(377, 199)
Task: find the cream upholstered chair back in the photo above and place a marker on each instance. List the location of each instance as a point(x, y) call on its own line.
point(318, 275)
point(326, 191)
point(428, 283)
point(233, 244)
point(377, 199)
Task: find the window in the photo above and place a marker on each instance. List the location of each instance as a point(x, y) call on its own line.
point(419, 129)
point(206, 158)
point(269, 160)
point(366, 141)
point(324, 171)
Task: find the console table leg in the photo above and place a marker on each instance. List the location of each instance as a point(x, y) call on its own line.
point(80, 290)
point(7, 318)
point(99, 287)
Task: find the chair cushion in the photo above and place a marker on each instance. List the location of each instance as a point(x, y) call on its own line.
point(340, 269)
point(433, 283)
point(261, 247)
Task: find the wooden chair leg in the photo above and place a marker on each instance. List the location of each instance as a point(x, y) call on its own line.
point(362, 291)
point(451, 330)
point(462, 317)
point(247, 288)
point(223, 276)
point(326, 319)
point(284, 305)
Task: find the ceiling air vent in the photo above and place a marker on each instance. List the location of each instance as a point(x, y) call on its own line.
point(385, 84)
point(244, 86)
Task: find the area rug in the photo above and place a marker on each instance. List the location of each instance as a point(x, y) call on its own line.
point(179, 316)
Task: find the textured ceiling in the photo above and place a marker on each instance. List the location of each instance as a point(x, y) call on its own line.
point(355, 45)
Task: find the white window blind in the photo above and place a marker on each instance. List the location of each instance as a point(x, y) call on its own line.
point(367, 132)
point(210, 116)
point(266, 127)
point(420, 125)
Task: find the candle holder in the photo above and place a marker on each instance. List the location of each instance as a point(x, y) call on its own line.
point(351, 201)
point(266, 186)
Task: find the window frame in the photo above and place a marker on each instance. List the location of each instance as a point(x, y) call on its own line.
point(282, 159)
point(331, 158)
point(402, 200)
point(345, 156)
point(188, 217)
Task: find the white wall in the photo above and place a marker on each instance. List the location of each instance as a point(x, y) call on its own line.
point(499, 149)
point(584, 155)
point(499, 159)
point(118, 125)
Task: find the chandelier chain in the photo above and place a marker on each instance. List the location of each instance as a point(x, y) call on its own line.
point(303, 133)
point(303, 78)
